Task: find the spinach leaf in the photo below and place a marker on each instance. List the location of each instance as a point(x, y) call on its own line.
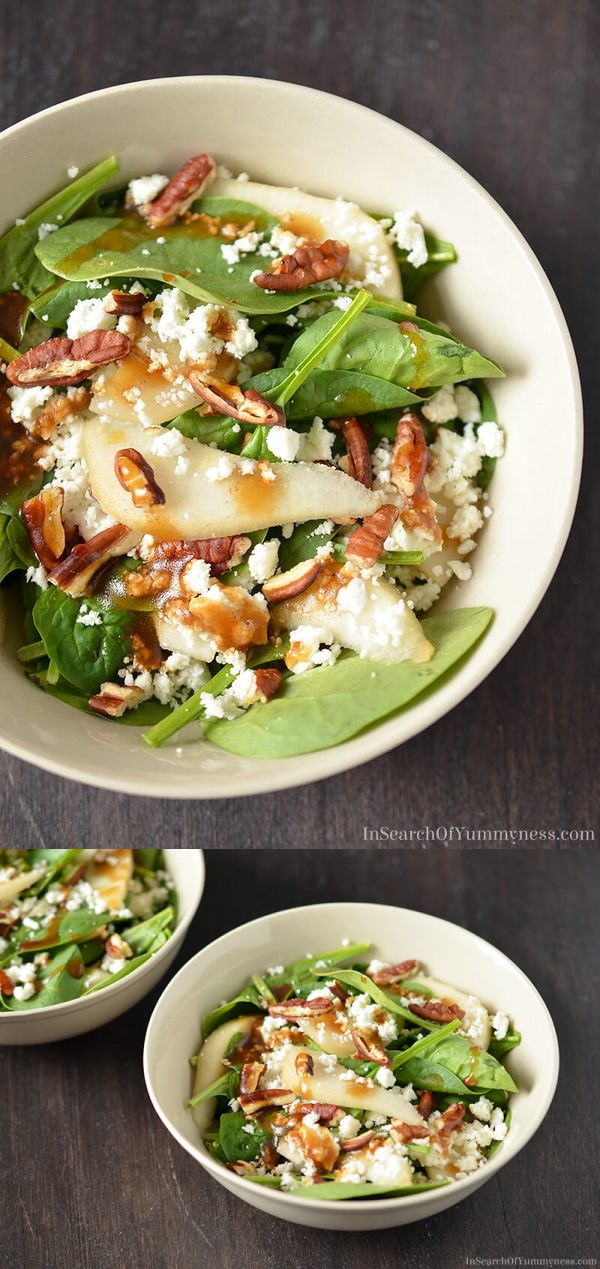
point(149, 714)
point(334, 393)
point(86, 656)
point(466, 1060)
point(495, 1145)
point(101, 247)
point(489, 414)
point(237, 1143)
point(71, 927)
point(329, 704)
point(55, 304)
point(18, 538)
point(422, 1072)
point(128, 967)
point(499, 1047)
point(338, 1190)
point(303, 544)
point(217, 430)
point(395, 352)
point(246, 1002)
point(439, 254)
point(416, 1049)
point(9, 560)
point(301, 971)
point(18, 260)
point(363, 984)
point(141, 937)
point(221, 1087)
point(62, 980)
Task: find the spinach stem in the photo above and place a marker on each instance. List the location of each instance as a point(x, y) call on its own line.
point(419, 1045)
point(296, 377)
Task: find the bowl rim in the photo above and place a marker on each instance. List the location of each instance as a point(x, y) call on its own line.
point(468, 1184)
point(270, 775)
point(196, 886)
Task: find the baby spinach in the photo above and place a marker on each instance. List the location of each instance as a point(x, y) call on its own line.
point(330, 704)
point(19, 262)
point(425, 1042)
point(363, 984)
point(217, 430)
point(334, 1191)
point(439, 254)
point(82, 252)
point(141, 936)
point(489, 414)
point(54, 305)
point(334, 393)
point(128, 967)
point(510, 1041)
point(422, 1072)
point(9, 560)
point(62, 980)
point(303, 544)
point(382, 348)
point(459, 1056)
point(224, 1086)
point(248, 1001)
point(86, 656)
point(240, 1140)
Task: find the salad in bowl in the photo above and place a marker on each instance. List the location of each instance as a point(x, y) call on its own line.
point(237, 466)
point(370, 1081)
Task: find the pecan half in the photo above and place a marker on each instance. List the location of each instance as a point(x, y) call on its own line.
point(409, 464)
point(250, 1076)
point(43, 520)
point(365, 544)
point(296, 1008)
point(259, 1100)
point(425, 1103)
point(186, 185)
point(357, 1143)
point(135, 475)
point(407, 1132)
point(75, 572)
point(336, 989)
point(114, 699)
point(366, 1049)
point(268, 683)
point(125, 303)
point(220, 553)
point(61, 361)
point(305, 266)
point(451, 1119)
point(304, 1064)
point(293, 582)
point(7, 986)
point(358, 450)
point(436, 1011)
point(227, 398)
point(324, 1110)
point(394, 973)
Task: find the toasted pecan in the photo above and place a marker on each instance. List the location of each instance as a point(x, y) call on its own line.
point(42, 517)
point(74, 573)
point(402, 1132)
point(186, 185)
point(357, 1143)
point(227, 398)
point(394, 973)
point(436, 1011)
point(425, 1103)
point(113, 699)
point(409, 464)
point(125, 303)
point(259, 1100)
point(268, 682)
point(366, 543)
point(293, 582)
point(305, 266)
point(451, 1119)
point(365, 1048)
point(304, 1064)
point(250, 1076)
point(357, 445)
point(136, 476)
point(61, 361)
point(298, 1008)
point(7, 986)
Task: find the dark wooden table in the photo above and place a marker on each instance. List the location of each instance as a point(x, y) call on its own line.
point(90, 1178)
point(507, 90)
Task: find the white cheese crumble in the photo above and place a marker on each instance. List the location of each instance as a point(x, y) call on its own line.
point(144, 189)
point(385, 1077)
point(88, 315)
point(262, 560)
point(242, 246)
point(25, 402)
point(500, 1025)
point(409, 236)
point(195, 330)
point(283, 443)
point(316, 445)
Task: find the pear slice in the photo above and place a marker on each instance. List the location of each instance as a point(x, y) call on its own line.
point(476, 1017)
point(253, 496)
point(310, 216)
point(372, 619)
point(13, 887)
point(210, 1064)
point(131, 392)
point(110, 875)
point(330, 1033)
point(335, 1087)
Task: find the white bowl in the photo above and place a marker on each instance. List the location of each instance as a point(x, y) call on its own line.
point(60, 1022)
point(497, 298)
point(448, 951)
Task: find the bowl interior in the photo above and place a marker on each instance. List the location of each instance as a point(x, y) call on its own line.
point(496, 297)
point(447, 950)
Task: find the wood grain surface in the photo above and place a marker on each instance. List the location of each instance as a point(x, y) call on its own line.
point(507, 90)
point(90, 1178)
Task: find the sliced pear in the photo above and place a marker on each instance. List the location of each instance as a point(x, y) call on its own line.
point(111, 877)
point(173, 636)
point(310, 216)
point(476, 1014)
point(330, 1033)
point(131, 393)
point(10, 889)
point(334, 1087)
point(210, 1064)
point(371, 619)
point(197, 506)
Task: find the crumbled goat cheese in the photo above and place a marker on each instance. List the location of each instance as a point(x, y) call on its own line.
point(467, 404)
point(178, 677)
point(72, 171)
point(385, 1077)
point(26, 401)
point(283, 443)
point(490, 439)
point(242, 693)
point(197, 577)
point(88, 617)
point(88, 315)
point(144, 189)
point(353, 597)
point(231, 252)
point(262, 560)
point(373, 1017)
point(168, 444)
point(316, 445)
point(45, 229)
point(500, 1025)
point(25, 992)
point(482, 1109)
point(80, 509)
point(409, 236)
point(38, 576)
point(349, 1127)
point(442, 407)
point(171, 319)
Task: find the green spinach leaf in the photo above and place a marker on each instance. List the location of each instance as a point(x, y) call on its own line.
point(86, 656)
point(62, 980)
point(239, 1139)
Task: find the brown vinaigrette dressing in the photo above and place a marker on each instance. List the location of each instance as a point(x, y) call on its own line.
point(133, 230)
point(413, 333)
point(13, 307)
point(18, 450)
point(304, 226)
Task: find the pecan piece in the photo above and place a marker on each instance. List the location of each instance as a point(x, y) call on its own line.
point(451, 1119)
point(293, 582)
point(298, 1008)
point(340, 992)
point(436, 1011)
point(358, 450)
point(7, 986)
point(114, 699)
point(125, 303)
point(366, 1049)
point(365, 544)
point(75, 572)
point(305, 266)
point(268, 683)
point(425, 1103)
point(43, 520)
point(394, 973)
point(324, 1110)
point(250, 1076)
point(402, 1132)
point(242, 1169)
point(116, 946)
point(220, 553)
point(135, 475)
point(60, 361)
point(357, 1143)
point(410, 455)
point(186, 185)
point(227, 398)
point(259, 1100)
point(304, 1064)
